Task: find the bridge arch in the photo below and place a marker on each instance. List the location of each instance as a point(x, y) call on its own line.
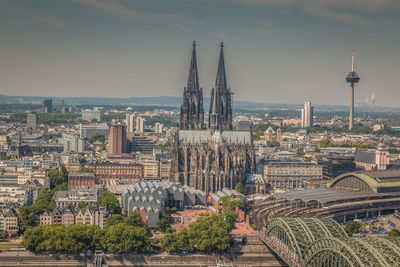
point(354, 252)
point(294, 235)
point(331, 251)
point(323, 242)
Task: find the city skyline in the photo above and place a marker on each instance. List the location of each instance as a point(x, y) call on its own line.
point(276, 51)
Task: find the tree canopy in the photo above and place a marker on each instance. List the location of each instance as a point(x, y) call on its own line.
point(210, 233)
point(44, 201)
point(97, 137)
point(57, 177)
point(61, 238)
point(394, 232)
point(352, 227)
point(123, 238)
point(109, 200)
point(239, 187)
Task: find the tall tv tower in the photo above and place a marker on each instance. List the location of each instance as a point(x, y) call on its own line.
point(352, 78)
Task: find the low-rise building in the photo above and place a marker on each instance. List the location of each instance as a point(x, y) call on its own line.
point(291, 174)
point(45, 218)
point(90, 115)
point(74, 197)
point(255, 184)
point(148, 197)
point(67, 216)
point(73, 143)
point(165, 169)
point(81, 180)
point(116, 170)
point(372, 159)
point(93, 215)
point(9, 221)
point(86, 131)
point(150, 168)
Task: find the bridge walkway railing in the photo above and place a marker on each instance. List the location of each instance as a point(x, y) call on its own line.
point(282, 253)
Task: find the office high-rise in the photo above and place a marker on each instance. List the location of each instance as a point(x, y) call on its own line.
point(31, 120)
point(47, 105)
point(140, 124)
point(307, 114)
point(130, 123)
point(117, 139)
point(158, 127)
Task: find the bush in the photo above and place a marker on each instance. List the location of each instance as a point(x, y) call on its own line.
point(394, 232)
point(351, 227)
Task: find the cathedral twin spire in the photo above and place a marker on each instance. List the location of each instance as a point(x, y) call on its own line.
point(192, 112)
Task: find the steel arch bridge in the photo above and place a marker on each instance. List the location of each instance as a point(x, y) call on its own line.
point(323, 242)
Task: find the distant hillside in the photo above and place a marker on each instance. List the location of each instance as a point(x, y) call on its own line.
point(170, 101)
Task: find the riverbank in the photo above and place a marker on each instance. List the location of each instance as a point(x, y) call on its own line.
point(253, 253)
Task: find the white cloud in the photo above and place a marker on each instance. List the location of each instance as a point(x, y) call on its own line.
point(341, 10)
point(21, 12)
point(359, 4)
point(117, 9)
point(182, 27)
point(51, 21)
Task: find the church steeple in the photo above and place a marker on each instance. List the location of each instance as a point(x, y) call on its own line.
point(220, 82)
point(192, 111)
point(193, 79)
point(220, 115)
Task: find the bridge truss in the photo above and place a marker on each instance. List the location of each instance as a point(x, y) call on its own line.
point(323, 242)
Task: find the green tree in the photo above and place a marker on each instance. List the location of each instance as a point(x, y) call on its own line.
point(210, 233)
point(26, 217)
point(274, 144)
point(394, 232)
point(57, 177)
point(44, 201)
point(61, 238)
point(176, 241)
point(351, 227)
point(97, 137)
point(84, 204)
point(325, 143)
point(122, 238)
point(239, 187)
point(109, 200)
point(33, 237)
point(134, 219)
point(61, 187)
point(163, 224)
point(114, 220)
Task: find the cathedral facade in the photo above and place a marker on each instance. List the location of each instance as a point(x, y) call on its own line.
point(213, 158)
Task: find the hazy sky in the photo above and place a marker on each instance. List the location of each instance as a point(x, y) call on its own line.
point(276, 51)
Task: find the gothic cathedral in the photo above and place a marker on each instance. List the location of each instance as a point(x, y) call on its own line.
point(214, 158)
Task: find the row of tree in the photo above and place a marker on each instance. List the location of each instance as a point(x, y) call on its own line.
point(210, 233)
point(120, 235)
